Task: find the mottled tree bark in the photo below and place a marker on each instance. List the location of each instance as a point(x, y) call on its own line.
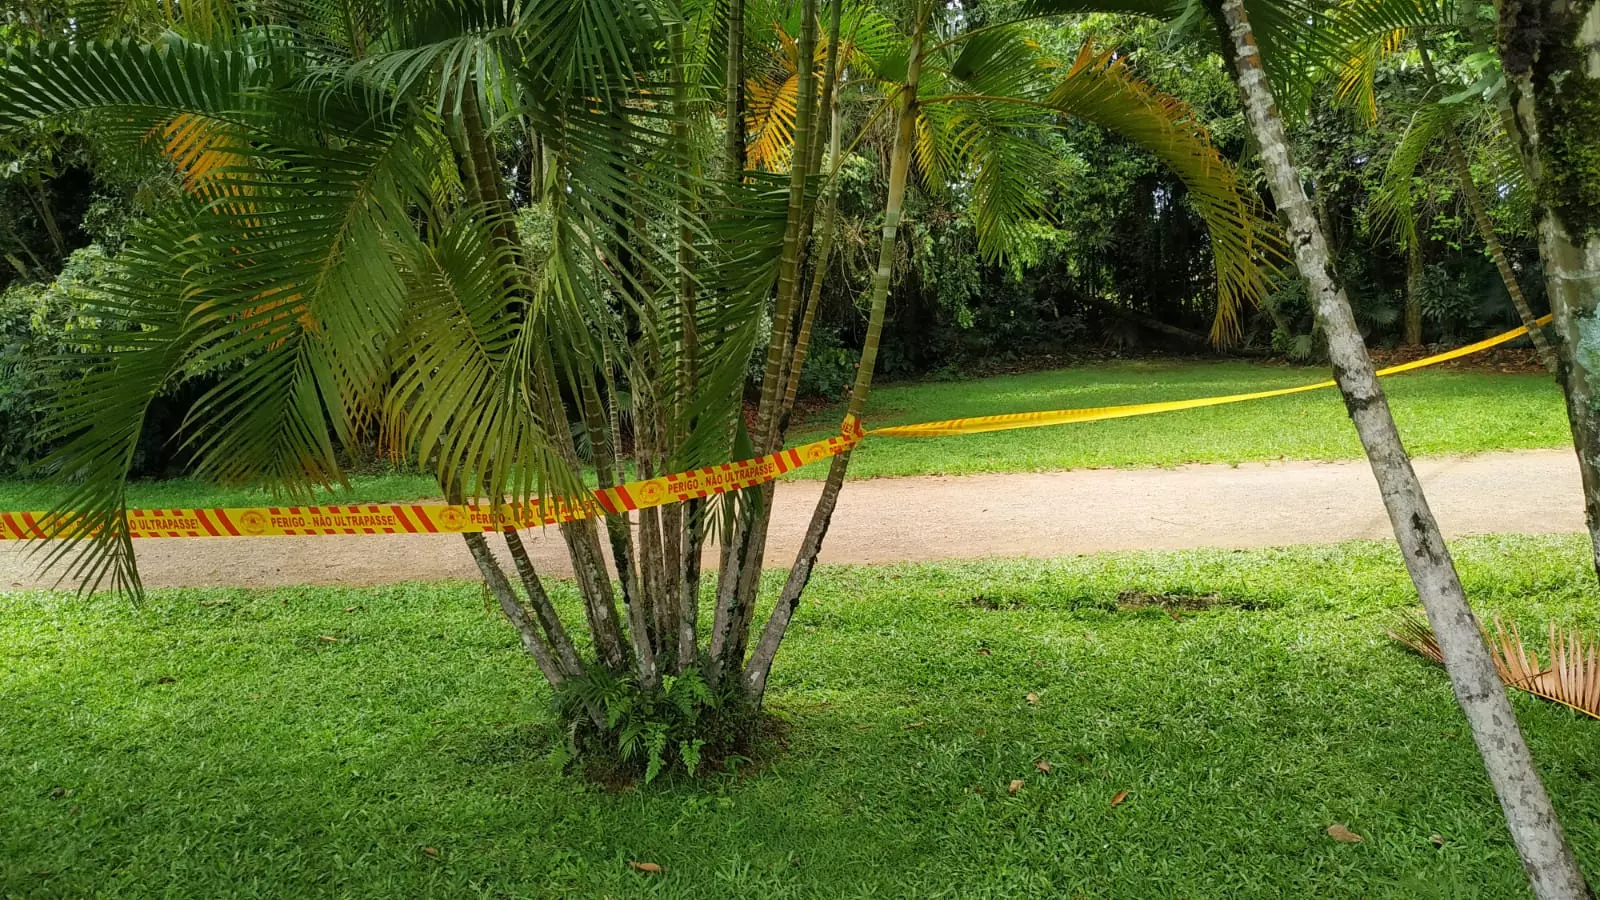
point(1550, 50)
point(1546, 857)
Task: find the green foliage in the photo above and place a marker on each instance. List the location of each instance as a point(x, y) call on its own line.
point(619, 726)
point(38, 338)
point(830, 366)
point(208, 743)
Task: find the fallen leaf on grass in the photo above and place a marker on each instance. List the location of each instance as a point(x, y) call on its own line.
point(1344, 835)
point(1437, 839)
point(327, 639)
point(916, 725)
point(650, 867)
point(166, 679)
point(431, 851)
point(985, 651)
point(351, 608)
point(1033, 698)
point(1118, 799)
point(1016, 785)
point(1043, 765)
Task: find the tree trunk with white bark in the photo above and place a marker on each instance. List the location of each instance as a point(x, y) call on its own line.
point(1546, 856)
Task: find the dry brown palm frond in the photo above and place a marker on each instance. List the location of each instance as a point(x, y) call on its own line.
point(1415, 633)
point(1572, 677)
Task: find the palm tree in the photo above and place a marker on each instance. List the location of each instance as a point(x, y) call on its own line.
point(1546, 856)
point(346, 260)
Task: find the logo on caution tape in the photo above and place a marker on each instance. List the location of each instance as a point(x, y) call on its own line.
point(452, 518)
point(651, 492)
point(253, 521)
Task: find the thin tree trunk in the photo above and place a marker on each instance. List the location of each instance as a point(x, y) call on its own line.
point(733, 92)
point(1414, 289)
point(1462, 170)
point(686, 521)
point(737, 589)
point(811, 545)
point(1550, 50)
point(1532, 819)
point(795, 360)
point(500, 587)
point(554, 631)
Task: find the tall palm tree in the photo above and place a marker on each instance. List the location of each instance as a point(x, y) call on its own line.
point(1546, 856)
point(346, 260)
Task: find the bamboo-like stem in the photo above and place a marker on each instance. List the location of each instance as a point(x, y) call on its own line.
point(539, 599)
point(795, 355)
point(736, 589)
point(500, 588)
point(794, 231)
point(685, 522)
point(733, 158)
point(777, 626)
point(602, 443)
point(819, 273)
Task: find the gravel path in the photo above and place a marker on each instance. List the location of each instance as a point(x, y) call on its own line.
point(929, 518)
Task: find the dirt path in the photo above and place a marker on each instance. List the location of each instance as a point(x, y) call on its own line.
point(903, 519)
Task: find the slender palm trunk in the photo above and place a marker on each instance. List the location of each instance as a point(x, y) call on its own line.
point(1414, 289)
point(1550, 50)
point(811, 545)
point(736, 589)
point(733, 90)
point(1545, 854)
point(1462, 170)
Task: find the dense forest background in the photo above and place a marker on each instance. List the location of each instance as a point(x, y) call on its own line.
point(1123, 268)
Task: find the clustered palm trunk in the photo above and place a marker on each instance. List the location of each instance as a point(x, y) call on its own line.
point(659, 638)
point(1546, 856)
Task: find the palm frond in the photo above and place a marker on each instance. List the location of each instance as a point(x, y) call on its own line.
point(1394, 202)
point(1100, 88)
point(1571, 675)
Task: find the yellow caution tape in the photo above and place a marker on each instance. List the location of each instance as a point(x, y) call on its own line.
point(438, 518)
point(980, 424)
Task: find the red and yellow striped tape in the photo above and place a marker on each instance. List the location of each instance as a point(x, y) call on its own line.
point(439, 518)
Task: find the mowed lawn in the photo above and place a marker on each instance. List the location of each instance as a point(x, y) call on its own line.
point(394, 742)
point(1440, 412)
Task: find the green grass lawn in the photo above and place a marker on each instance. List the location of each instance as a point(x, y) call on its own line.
point(1439, 412)
point(211, 743)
